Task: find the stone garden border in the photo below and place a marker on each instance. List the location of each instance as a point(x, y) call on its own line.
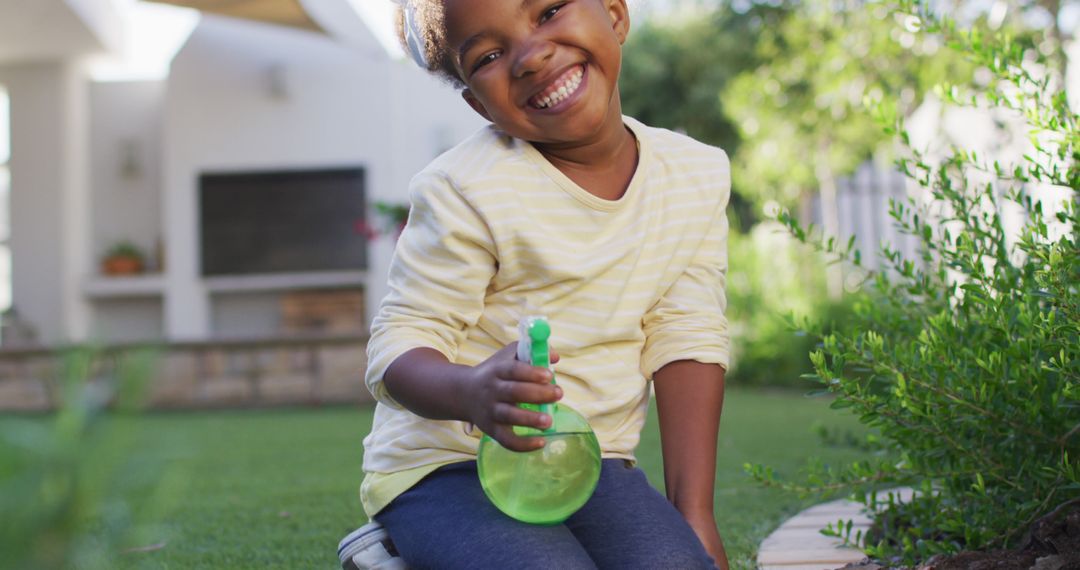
point(798, 544)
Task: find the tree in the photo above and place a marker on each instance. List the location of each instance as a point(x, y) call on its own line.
point(674, 73)
point(802, 113)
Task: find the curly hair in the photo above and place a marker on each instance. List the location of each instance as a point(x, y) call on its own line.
point(429, 19)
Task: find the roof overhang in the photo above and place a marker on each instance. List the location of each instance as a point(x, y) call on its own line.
point(57, 29)
point(337, 19)
point(282, 12)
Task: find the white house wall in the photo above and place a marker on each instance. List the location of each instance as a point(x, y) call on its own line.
point(224, 113)
point(125, 160)
point(49, 185)
point(244, 96)
point(125, 202)
point(101, 17)
point(240, 96)
point(49, 30)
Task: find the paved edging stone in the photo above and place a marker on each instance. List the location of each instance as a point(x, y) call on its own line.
point(798, 544)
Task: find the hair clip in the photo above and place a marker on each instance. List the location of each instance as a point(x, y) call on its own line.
point(413, 37)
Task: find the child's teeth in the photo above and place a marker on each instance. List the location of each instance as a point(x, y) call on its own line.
point(562, 92)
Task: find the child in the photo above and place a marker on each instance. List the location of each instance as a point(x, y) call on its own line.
point(564, 207)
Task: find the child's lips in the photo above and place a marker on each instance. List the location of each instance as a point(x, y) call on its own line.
point(559, 90)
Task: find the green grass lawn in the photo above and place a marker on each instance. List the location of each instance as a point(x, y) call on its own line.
point(277, 489)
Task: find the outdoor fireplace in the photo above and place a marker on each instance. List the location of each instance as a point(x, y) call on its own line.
point(289, 221)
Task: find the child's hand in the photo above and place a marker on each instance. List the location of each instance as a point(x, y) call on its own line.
point(497, 385)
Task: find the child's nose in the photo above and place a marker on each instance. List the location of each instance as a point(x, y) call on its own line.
point(532, 56)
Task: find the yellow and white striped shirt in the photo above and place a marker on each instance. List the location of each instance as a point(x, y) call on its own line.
point(496, 232)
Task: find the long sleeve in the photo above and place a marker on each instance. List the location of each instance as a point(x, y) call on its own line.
point(688, 321)
point(496, 231)
point(442, 266)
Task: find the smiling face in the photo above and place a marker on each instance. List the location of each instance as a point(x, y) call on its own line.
point(544, 71)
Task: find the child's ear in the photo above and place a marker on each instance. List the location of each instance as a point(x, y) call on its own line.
point(475, 104)
point(620, 18)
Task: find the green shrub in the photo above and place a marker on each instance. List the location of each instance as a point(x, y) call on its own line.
point(74, 491)
point(966, 360)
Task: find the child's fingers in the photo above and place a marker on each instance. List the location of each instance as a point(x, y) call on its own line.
point(528, 392)
point(524, 372)
point(504, 434)
point(509, 414)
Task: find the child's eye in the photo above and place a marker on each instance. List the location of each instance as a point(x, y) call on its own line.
point(550, 12)
point(485, 59)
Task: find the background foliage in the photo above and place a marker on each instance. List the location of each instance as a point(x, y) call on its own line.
point(963, 359)
point(77, 491)
point(773, 281)
point(802, 111)
point(967, 359)
point(781, 86)
point(675, 72)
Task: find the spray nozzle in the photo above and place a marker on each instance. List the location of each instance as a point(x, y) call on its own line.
point(533, 334)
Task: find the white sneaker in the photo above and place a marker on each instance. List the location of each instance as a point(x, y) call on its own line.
point(369, 548)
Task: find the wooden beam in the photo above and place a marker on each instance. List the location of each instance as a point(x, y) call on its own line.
point(281, 12)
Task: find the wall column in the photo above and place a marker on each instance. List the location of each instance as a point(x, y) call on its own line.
point(50, 240)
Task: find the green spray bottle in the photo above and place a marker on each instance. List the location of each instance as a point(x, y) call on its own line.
point(546, 485)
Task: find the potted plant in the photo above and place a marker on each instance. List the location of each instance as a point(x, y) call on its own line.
point(391, 218)
point(123, 258)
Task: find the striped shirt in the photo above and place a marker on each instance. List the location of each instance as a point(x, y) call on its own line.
point(496, 232)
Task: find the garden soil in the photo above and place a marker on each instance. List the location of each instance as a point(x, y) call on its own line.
point(1052, 544)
